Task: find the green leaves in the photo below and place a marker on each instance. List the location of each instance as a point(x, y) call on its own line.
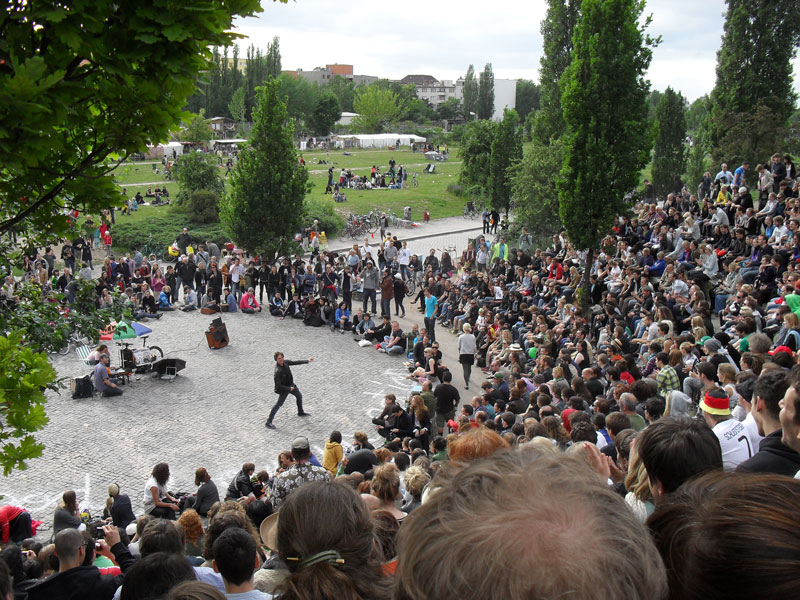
point(263, 206)
point(24, 375)
point(377, 109)
point(669, 157)
point(506, 149)
point(604, 103)
point(77, 84)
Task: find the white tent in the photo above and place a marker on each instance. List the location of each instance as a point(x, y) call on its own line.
point(376, 140)
point(162, 150)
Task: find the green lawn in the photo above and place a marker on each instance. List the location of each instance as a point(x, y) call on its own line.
point(431, 194)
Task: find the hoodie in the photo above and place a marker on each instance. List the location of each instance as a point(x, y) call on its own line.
point(773, 456)
point(79, 583)
point(332, 456)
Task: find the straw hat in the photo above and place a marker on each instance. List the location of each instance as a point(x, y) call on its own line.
point(269, 532)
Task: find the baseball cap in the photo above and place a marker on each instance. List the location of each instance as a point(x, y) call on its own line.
point(300, 443)
point(780, 349)
point(715, 405)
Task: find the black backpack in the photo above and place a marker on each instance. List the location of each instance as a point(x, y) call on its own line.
point(82, 387)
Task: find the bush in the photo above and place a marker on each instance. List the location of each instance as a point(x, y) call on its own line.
point(455, 189)
point(203, 207)
point(164, 227)
point(329, 220)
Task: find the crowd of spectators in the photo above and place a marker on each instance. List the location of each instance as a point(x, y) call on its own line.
point(654, 436)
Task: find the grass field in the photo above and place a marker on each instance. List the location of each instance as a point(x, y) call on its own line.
point(431, 193)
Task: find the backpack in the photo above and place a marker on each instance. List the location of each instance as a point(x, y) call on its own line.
point(82, 387)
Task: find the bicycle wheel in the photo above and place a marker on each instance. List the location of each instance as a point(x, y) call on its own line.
point(156, 350)
point(63, 351)
point(411, 285)
point(374, 221)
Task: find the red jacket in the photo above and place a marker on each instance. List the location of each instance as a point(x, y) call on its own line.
point(8, 514)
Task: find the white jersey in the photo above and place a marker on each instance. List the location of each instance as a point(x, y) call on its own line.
point(751, 428)
point(734, 442)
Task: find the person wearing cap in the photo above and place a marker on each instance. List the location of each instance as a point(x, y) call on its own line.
point(284, 385)
point(121, 511)
point(298, 474)
point(732, 437)
point(773, 455)
point(103, 382)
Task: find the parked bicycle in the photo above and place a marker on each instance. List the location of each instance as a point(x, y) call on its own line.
point(469, 211)
point(74, 341)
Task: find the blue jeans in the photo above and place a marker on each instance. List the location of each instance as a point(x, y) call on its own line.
point(369, 295)
point(720, 300)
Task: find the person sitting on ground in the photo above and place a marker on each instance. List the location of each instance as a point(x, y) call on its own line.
point(236, 559)
point(394, 342)
point(189, 299)
point(434, 547)
point(103, 382)
point(230, 304)
point(241, 486)
point(74, 580)
point(94, 357)
point(325, 537)
point(164, 303)
point(249, 304)
point(121, 510)
point(67, 514)
point(157, 500)
point(206, 495)
point(675, 449)
point(700, 529)
point(276, 304)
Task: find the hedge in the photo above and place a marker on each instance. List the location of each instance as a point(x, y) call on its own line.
point(164, 227)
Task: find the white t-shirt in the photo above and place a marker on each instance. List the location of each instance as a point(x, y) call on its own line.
point(751, 428)
point(149, 503)
point(734, 442)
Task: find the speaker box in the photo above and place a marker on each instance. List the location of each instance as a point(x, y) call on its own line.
point(217, 334)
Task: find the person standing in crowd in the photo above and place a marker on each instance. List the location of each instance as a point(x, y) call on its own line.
point(284, 385)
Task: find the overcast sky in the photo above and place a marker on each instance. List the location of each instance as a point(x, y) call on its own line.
point(441, 38)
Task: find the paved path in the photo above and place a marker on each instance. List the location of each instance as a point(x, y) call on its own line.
point(213, 414)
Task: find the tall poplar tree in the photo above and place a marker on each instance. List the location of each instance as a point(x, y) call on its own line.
point(470, 94)
point(274, 58)
point(506, 149)
point(608, 134)
point(556, 28)
point(486, 93)
point(263, 206)
point(669, 156)
point(753, 96)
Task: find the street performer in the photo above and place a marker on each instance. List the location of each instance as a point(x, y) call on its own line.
point(284, 385)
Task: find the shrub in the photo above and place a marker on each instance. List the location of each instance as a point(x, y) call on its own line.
point(455, 189)
point(203, 207)
point(164, 227)
point(329, 220)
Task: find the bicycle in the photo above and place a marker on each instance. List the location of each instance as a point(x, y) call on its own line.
point(139, 360)
point(411, 284)
point(73, 341)
point(469, 211)
point(373, 220)
point(393, 218)
point(150, 247)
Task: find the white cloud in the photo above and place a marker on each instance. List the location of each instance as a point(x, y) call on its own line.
point(440, 38)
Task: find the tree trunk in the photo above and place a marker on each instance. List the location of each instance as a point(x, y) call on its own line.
point(586, 283)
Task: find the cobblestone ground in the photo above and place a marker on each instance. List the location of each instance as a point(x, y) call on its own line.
point(213, 413)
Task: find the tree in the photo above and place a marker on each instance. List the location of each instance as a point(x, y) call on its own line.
point(83, 80)
point(449, 109)
point(486, 93)
point(325, 115)
point(197, 171)
point(506, 150)
point(556, 29)
point(273, 59)
point(376, 107)
point(608, 135)
point(344, 90)
point(237, 106)
point(263, 206)
point(527, 98)
point(475, 152)
point(669, 157)
point(534, 186)
point(196, 130)
point(300, 96)
point(754, 68)
point(470, 95)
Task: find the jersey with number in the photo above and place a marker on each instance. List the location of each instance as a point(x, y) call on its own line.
point(734, 441)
